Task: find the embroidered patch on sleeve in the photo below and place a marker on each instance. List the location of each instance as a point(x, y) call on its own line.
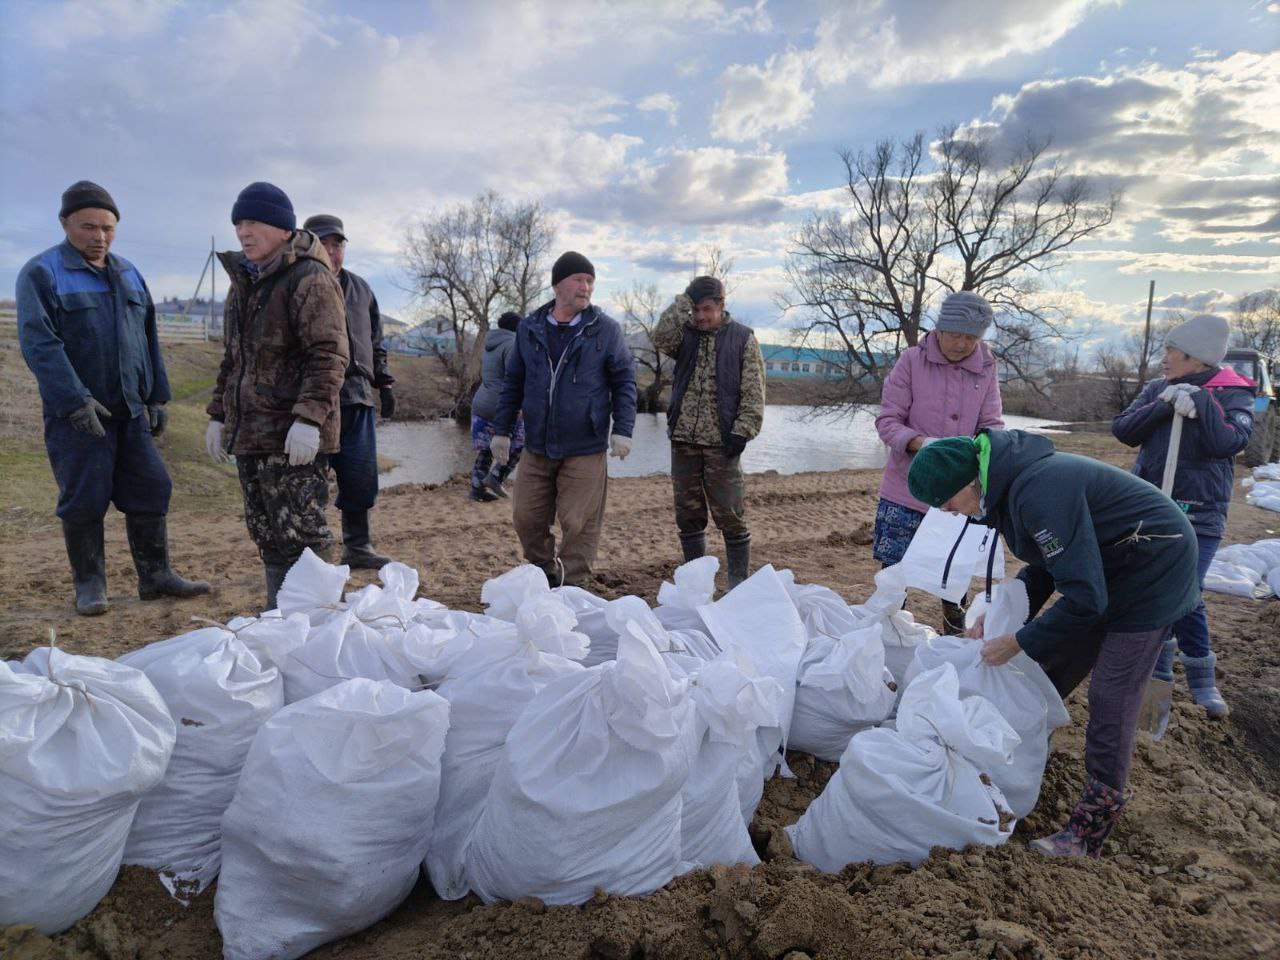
point(1048, 542)
point(1244, 420)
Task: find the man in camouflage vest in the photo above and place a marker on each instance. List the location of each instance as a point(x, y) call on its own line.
point(717, 405)
point(275, 406)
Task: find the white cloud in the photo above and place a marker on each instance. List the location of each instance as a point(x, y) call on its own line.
point(660, 103)
point(72, 22)
point(1151, 261)
point(887, 43)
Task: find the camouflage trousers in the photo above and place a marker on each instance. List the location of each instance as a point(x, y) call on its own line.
point(284, 506)
point(707, 476)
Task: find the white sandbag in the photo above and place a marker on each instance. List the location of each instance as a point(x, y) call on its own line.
point(331, 818)
point(590, 612)
point(694, 586)
point(842, 687)
point(488, 687)
point(731, 702)
point(587, 793)
point(899, 632)
point(503, 595)
point(343, 647)
point(823, 612)
point(1264, 487)
point(758, 618)
point(678, 641)
point(312, 587)
point(926, 558)
point(81, 739)
point(1019, 689)
point(271, 638)
point(218, 694)
point(898, 793)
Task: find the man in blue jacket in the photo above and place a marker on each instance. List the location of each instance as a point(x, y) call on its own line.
point(1217, 406)
point(1123, 558)
point(572, 374)
point(87, 328)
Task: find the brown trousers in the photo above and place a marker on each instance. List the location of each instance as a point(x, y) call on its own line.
point(573, 491)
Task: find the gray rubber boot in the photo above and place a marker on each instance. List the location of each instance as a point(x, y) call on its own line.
point(1203, 684)
point(357, 550)
point(87, 553)
point(737, 558)
point(149, 544)
point(694, 545)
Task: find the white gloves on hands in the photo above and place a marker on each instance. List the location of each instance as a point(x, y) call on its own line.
point(1169, 393)
point(1183, 405)
point(302, 443)
point(500, 447)
point(619, 446)
point(213, 442)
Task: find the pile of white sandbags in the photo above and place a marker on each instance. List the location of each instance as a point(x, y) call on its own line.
point(1249, 570)
point(1264, 487)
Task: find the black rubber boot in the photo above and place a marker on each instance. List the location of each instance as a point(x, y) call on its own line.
point(694, 545)
point(953, 617)
point(87, 553)
point(149, 544)
point(737, 553)
point(275, 576)
point(357, 552)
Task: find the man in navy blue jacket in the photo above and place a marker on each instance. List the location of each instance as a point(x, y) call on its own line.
point(572, 374)
point(87, 328)
point(1217, 404)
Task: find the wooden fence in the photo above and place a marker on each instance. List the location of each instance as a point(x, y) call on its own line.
point(170, 329)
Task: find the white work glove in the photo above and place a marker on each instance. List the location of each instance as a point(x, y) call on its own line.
point(1184, 406)
point(1170, 393)
point(213, 442)
point(500, 447)
point(302, 443)
point(619, 446)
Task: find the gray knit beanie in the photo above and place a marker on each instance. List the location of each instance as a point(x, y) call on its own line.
point(1203, 337)
point(964, 312)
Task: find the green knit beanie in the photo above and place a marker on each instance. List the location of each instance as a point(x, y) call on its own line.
point(942, 469)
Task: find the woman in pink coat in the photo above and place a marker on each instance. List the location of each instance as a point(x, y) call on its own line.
point(944, 386)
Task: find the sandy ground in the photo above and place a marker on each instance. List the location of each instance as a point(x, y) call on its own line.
point(1192, 871)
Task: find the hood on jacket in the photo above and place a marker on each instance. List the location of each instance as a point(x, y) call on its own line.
point(496, 337)
point(1012, 451)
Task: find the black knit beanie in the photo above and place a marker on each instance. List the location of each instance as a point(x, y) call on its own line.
point(84, 194)
point(702, 287)
point(509, 321)
point(266, 203)
point(570, 263)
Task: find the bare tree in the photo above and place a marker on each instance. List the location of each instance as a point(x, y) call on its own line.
point(642, 308)
point(1257, 322)
point(470, 263)
point(920, 225)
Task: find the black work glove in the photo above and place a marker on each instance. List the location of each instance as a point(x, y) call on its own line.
point(734, 445)
point(157, 418)
point(388, 402)
point(88, 419)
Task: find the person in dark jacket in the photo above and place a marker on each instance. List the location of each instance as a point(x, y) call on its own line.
point(572, 375)
point(355, 465)
point(1123, 558)
point(487, 477)
point(716, 409)
point(275, 406)
point(1217, 406)
point(87, 329)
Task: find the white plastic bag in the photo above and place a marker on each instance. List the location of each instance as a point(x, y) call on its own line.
point(823, 612)
point(842, 687)
point(590, 612)
point(898, 793)
point(218, 694)
point(503, 595)
point(926, 559)
point(81, 739)
point(331, 819)
point(694, 586)
point(899, 631)
point(587, 793)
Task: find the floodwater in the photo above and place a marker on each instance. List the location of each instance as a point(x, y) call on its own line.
point(792, 440)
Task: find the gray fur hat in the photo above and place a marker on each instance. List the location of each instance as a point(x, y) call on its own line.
point(964, 312)
point(1203, 337)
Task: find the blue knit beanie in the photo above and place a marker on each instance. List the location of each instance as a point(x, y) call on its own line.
point(266, 203)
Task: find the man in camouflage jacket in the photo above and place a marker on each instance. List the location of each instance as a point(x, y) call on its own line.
point(717, 406)
point(275, 407)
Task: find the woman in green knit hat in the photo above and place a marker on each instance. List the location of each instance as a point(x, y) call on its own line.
point(1121, 555)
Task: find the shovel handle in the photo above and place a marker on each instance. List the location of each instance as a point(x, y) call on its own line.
point(1171, 457)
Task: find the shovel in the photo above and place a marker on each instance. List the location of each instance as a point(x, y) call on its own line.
point(1153, 715)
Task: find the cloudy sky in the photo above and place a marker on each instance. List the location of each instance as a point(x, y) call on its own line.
point(650, 129)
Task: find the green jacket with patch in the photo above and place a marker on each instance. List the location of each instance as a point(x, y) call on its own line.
point(1121, 554)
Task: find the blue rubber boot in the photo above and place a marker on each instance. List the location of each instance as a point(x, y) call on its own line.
point(1203, 685)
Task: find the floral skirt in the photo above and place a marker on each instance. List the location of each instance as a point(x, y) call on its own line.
point(895, 526)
